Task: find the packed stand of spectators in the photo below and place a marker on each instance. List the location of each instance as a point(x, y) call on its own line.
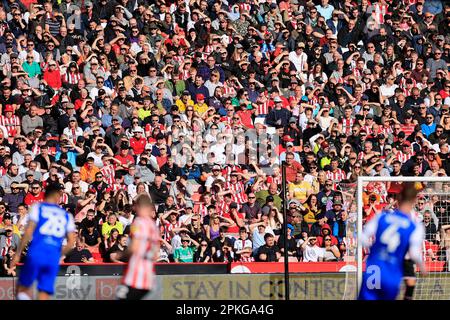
point(198, 103)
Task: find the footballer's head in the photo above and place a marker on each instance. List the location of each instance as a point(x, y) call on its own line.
point(53, 192)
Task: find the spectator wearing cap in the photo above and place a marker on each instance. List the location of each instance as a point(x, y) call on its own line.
point(278, 116)
point(10, 121)
point(73, 131)
point(200, 107)
point(124, 158)
point(7, 222)
point(138, 141)
point(9, 236)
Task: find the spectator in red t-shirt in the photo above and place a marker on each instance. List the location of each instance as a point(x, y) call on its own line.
point(124, 157)
point(138, 141)
point(236, 216)
point(34, 195)
point(52, 75)
point(292, 167)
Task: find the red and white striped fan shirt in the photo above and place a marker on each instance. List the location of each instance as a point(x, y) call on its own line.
point(202, 209)
point(10, 124)
point(263, 108)
point(226, 172)
point(238, 190)
point(403, 157)
point(407, 129)
point(72, 78)
point(229, 92)
point(64, 199)
point(378, 12)
point(224, 208)
point(168, 228)
point(108, 174)
point(368, 129)
point(347, 125)
point(336, 176)
point(245, 6)
point(386, 130)
point(140, 273)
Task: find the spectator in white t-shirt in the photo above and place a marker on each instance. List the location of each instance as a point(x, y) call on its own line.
point(311, 251)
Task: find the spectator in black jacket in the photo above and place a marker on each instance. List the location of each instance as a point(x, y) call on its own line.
point(269, 252)
point(278, 116)
point(158, 191)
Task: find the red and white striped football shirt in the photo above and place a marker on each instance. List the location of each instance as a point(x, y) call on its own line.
point(140, 273)
point(10, 124)
point(108, 174)
point(403, 157)
point(347, 125)
point(336, 176)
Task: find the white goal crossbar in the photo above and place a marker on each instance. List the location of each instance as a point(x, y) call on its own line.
point(360, 189)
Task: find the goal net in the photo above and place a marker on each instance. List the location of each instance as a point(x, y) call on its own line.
point(432, 208)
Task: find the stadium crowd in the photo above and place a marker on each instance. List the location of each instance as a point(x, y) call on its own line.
point(199, 102)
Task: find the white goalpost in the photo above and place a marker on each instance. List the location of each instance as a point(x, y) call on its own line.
point(434, 191)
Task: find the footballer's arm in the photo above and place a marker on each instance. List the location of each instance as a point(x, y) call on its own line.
point(27, 236)
point(415, 247)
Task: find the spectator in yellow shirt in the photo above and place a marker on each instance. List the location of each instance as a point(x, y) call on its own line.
point(200, 107)
point(112, 223)
point(299, 189)
point(311, 209)
point(7, 223)
point(184, 101)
